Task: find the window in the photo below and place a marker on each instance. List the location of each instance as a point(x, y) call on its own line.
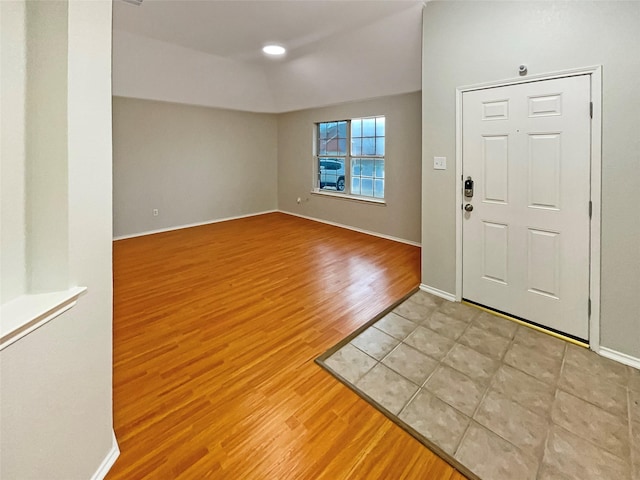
point(353, 167)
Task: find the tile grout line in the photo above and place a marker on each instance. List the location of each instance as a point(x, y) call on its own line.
point(401, 342)
point(439, 364)
point(493, 376)
point(420, 387)
point(558, 388)
point(549, 416)
point(487, 389)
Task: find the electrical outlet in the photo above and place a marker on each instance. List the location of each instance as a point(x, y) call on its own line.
point(155, 212)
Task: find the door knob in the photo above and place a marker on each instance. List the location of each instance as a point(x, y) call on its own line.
point(468, 207)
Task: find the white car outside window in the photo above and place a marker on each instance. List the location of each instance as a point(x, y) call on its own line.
point(332, 174)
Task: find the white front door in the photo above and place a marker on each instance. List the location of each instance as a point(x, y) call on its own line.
point(525, 244)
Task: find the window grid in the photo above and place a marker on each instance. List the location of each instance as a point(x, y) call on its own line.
point(363, 154)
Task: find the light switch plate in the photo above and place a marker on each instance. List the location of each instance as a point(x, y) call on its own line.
point(439, 163)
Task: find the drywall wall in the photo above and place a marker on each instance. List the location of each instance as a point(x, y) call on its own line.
point(319, 72)
point(13, 58)
point(55, 383)
point(466, 43)
point(400, 217)
point(155, 70)
point(192, 164)
point(387, 62)
point(46, 147)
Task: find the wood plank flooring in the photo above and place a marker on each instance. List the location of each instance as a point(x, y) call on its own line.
point(215, 333)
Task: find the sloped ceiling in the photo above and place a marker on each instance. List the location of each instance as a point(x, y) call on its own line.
point(209, 52)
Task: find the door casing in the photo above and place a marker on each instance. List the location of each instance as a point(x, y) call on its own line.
point(595, 75)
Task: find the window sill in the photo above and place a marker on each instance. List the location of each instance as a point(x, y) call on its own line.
point(346, 196)
point(23, 315)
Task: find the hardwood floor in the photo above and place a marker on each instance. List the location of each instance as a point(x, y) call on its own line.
point(215, 333)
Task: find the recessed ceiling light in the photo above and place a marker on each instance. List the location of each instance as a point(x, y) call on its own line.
point(274, 50)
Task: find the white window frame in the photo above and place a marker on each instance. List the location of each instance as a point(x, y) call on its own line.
point(348, 157)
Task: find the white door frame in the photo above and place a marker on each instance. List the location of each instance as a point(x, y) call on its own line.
point(595, 74)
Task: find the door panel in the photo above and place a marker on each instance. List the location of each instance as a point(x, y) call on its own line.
point(495, 252)
point(544, 170)
point(545, 105)
point(496, 168)
point(526, 242)
point(544, 263)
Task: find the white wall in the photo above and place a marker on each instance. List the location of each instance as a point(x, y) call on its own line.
point(322, 73)
point(155, 70)
point(13, 58)
point(400, 217)
point(470, 42)
point(46, 146)
point(387, 62)
point(55, 383)
point(193, 164)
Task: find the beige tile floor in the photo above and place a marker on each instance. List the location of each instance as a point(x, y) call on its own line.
point(504, 400)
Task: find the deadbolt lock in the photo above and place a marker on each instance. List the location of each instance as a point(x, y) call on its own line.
point(468, 187)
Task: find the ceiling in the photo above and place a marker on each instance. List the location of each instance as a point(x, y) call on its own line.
point(238, 29)
point(320, 36)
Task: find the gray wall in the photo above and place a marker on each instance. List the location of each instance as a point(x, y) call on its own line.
point(193, 164)
point(400, 217)
point(473, 42)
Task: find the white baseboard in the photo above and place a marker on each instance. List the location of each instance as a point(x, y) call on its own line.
point(199, 224)
point(108, 461)
point(620, 357)
point(355, 229)
point(437, 292)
